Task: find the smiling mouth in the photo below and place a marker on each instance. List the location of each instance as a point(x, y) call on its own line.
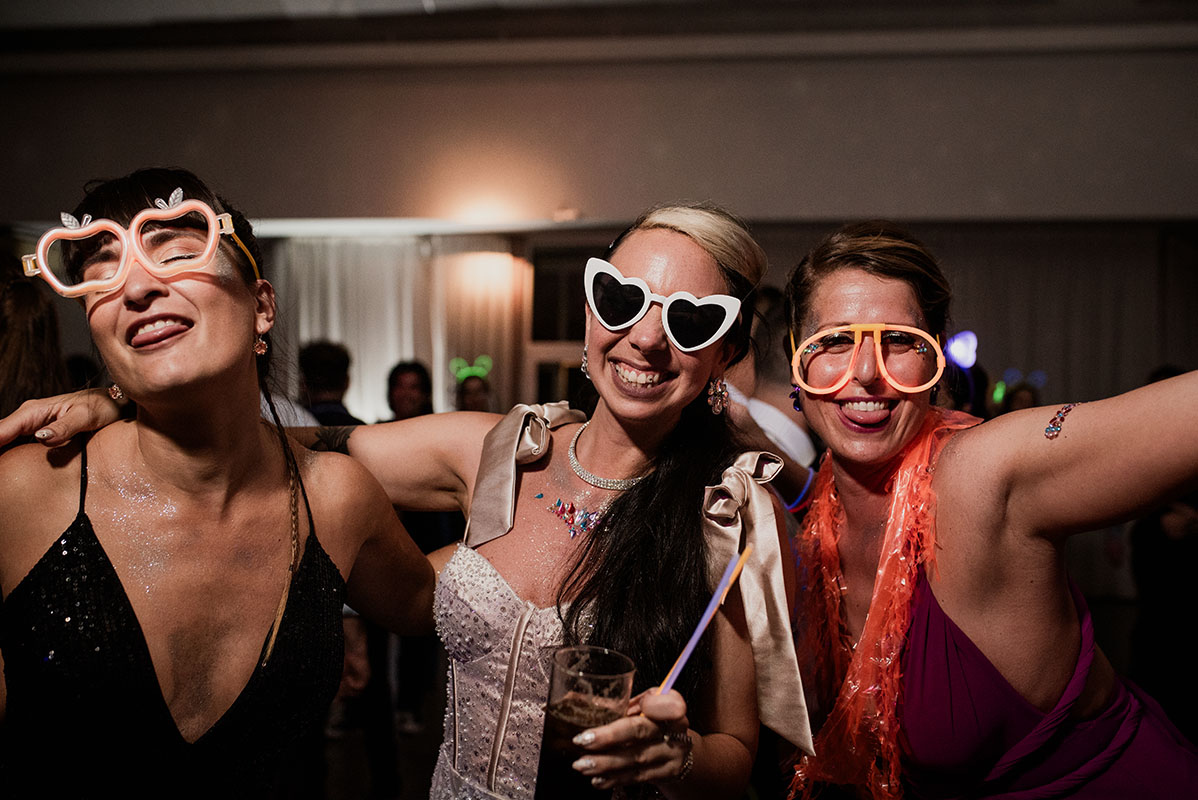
point(636, 377)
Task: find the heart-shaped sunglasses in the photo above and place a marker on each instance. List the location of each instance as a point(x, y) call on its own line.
point(691, 323)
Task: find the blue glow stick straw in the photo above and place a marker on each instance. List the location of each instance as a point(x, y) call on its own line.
point(731, 572)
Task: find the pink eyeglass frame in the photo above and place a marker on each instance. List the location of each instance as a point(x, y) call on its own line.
point(218, 225)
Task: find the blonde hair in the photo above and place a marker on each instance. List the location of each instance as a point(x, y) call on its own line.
point(720, 233)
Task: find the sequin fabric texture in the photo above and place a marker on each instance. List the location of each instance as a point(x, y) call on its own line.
point(86, 716)
point(499, 648)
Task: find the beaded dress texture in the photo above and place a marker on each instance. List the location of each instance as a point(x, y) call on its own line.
point(499, 648)
point(86, 716)
point(500, 645)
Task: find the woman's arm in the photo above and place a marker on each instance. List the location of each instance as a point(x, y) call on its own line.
point(1112, 459)
point(54, 420)
point(722, 744)
point(425, 463)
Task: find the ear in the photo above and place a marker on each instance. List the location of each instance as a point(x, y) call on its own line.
point(727, 351)
point(265, 306)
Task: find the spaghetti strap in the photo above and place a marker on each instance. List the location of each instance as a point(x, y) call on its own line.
point(83, 477)
point(307, 505)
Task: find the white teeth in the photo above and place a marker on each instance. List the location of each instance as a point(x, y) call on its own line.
point(153, 326)
point(866, 405)
point(629, 375)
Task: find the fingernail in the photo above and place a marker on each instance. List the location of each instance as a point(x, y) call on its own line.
point(584, 738)
point(599, 783)
point(44, 433)
point(583, 764)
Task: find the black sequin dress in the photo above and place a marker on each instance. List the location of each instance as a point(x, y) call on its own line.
point(86, 716)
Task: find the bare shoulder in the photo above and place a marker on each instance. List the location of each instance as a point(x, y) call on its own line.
point(39, 497)
point(31, 474)
point(978, 462)
point(337, 483)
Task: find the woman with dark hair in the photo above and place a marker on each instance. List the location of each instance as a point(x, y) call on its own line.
point(946, 651)
point(31, 363)
point(409, 390)
point(173, 584)
point(558, 551)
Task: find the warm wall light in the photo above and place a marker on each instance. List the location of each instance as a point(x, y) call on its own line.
point(485, 274)
point(486, 211)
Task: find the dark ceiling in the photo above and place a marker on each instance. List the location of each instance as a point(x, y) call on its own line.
point(296, 22)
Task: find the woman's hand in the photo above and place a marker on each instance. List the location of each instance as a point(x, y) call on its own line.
point(651, 744)
point(54, 420)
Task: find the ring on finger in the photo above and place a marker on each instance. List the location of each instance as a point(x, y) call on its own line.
point(681, 738)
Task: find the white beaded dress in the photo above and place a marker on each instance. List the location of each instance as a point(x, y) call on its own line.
point(499, 645)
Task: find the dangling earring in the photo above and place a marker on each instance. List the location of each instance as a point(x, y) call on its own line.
point(115, 393)
point(794, 395)
point(717, 395)
point(260, 345)
point(584, 361)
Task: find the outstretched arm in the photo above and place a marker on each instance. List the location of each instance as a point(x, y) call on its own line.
point(1111, 460)
point(426, 463)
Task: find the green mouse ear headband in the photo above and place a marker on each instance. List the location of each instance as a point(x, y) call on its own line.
point(461, 369)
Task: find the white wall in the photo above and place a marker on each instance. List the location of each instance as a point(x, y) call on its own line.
point(934, 128)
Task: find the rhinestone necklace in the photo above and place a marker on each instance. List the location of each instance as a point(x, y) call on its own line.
point(615, 484)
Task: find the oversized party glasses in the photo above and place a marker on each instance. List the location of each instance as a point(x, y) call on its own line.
point(909, 359)
point(691, 323)
point(95, 256)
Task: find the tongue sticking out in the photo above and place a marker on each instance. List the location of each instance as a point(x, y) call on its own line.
point(867, 418)
point(158, 334)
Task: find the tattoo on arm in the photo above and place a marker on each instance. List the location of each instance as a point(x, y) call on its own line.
point(334, 439)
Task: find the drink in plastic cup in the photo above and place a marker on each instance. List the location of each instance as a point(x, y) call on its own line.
point(588, 687)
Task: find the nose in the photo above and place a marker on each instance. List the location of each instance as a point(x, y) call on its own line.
point(865, 368)
point(648, 334)
point(141, 285)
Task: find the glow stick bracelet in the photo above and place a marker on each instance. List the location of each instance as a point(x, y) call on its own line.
point(731, 573)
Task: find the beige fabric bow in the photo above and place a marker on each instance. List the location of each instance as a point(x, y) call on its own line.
point(521, 437)
point(739, 511)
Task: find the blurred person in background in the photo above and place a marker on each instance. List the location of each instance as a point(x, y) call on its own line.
point(324, 373)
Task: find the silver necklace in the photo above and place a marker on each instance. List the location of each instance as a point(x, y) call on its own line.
point(615, 484)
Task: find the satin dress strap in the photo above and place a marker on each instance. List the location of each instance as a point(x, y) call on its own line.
point(521, 437)
point(739, 511)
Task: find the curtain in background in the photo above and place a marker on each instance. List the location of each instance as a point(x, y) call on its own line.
point(423, 298)
point(1092, 307)
point(483, 288)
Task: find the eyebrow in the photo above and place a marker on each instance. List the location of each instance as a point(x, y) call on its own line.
point(155, 236)
point(106, 252)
